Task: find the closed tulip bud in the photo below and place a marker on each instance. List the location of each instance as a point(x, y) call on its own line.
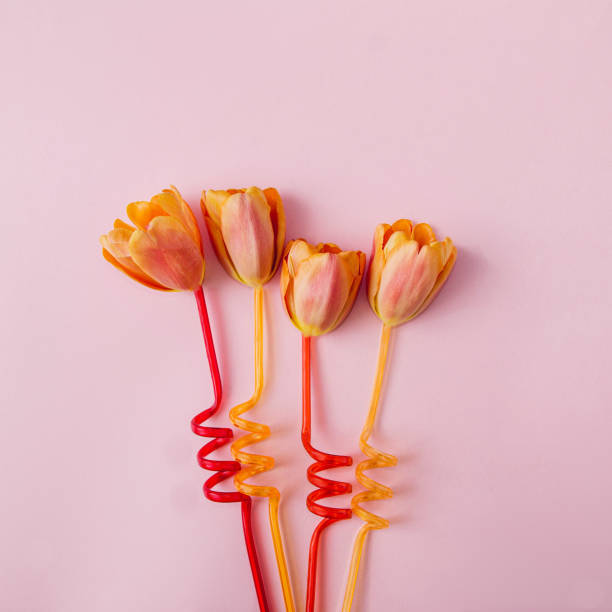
point(319, 285)
point(247, 229)
point(407, 269)
point(164, 250)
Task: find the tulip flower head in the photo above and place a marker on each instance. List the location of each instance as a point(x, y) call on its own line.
point(319, 285)
point(247, 229)
point(164, 250)
point(407, 269)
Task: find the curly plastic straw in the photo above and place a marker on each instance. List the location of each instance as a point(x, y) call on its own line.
point(375, 490)
point(223, 469)
point(326, 487)
point(256, 464)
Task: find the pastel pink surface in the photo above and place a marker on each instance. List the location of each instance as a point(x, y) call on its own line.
point(489, 120)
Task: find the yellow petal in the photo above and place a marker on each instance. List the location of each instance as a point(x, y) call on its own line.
point(376, 264)
point(212, 202)
point(450, 252)
point(277, 216)
point(357, 272)
point(286, 288)
point(396, 240)
point(169, 254)
point(248, 234)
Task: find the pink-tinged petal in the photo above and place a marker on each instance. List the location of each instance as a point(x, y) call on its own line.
point(298, 251)
point(248, 235)
point(140, 277)
point(168, 254)
point(172, 203)
point(321, 289)
point(216, 238)
point(451, 256)
point(142, 213)
point(407, 278)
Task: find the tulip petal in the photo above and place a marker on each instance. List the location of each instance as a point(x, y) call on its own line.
point(321, 289)
point(212, 203)
point(214, 232)
point(277, 216)
point(377, 261)
point(119, 224)
point(168, 254)
point(298, 251)
point(403, 225)
point(451, 257)
point(142, 213)
point(360, 260)
point(395, 241)
point(116, 244)
point(173, 204)
point(286, 287)
point(423, 234)
point(248, 235)
point(129, 272)
point(407, 278)
point(328, 247)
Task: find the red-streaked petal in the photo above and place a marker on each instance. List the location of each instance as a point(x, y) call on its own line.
point(169, 254)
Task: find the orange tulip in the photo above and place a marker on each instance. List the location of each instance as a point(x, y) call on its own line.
point(164, 250)
point(247, 229)
point(407, 269)
point(319, 285)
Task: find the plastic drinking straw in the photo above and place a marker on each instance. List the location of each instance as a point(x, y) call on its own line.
point(375, 490)
point(256, 464)
point(224, 469)
point(325, 487)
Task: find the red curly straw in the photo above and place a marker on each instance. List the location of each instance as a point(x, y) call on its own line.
point(325, 487)
point(224, 469)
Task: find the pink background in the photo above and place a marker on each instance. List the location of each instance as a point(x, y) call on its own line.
point(489, 119)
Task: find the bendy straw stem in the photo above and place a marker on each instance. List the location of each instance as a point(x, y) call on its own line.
point(224, 469)
point(256, 464)
point(325, 487)
point(374, 490)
